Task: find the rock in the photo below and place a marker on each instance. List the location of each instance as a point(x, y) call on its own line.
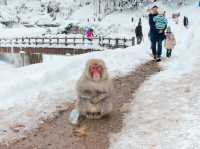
point(63, 107)
point(29, 113)
point(17, 127)
point(3, 130)
point(80, 132)
point(34, 147)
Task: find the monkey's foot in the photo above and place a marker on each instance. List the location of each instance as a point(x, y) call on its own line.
point(93, 115)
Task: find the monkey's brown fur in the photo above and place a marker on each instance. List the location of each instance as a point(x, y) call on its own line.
point(94, 97)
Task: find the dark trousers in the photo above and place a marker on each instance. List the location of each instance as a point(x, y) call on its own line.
point(156, 45)
point(169, 52)
point(139, 39)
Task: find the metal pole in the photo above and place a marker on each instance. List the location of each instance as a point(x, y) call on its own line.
point(99, 7)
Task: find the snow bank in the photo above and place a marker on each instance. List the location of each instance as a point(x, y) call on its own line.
point(5, 66)
point(165, 113)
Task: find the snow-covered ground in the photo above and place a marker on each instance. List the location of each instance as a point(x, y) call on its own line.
point(29, 93)
point(165, 112)
point(5, 66)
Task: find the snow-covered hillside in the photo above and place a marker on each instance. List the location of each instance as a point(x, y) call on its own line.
point(50, 17)
point(39, 11)
point(31, 18)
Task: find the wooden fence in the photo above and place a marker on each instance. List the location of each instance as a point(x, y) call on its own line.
point(32, 55)
point(48, 50)
point(67, 41)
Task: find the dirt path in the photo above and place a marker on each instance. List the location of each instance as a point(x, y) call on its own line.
point(91, 134)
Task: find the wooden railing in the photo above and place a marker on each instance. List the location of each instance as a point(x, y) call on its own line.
point(68, 41)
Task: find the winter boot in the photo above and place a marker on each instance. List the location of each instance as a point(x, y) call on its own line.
point(158, 59)
point(169, 51)
point(155, 57)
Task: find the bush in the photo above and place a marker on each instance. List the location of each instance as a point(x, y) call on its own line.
point(68, 28)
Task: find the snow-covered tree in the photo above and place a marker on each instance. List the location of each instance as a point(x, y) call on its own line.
point(104, 7)
point(4, 2)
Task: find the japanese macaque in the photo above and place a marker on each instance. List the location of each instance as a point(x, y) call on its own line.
point(95, 90)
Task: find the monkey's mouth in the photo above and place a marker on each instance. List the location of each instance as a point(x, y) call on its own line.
point(93, 115)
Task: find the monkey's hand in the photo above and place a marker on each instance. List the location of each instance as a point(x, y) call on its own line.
point(99, 97)
point(86, 95)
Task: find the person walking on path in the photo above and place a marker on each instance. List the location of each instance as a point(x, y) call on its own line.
point(185, 21)
point(138, 32)
point(90, 34)
point(170, 41)
point(158, 24)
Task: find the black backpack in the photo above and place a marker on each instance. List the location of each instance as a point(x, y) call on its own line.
point(138, 30)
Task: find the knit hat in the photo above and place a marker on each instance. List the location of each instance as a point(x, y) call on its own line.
point(155, 6)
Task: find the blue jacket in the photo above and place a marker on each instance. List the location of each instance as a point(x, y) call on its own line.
point(152, 23)
point(154, 33)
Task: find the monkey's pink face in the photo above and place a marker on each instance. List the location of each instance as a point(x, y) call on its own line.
point(96, 71)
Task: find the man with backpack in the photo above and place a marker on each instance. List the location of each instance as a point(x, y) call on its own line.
point(185, 21)
point(158, 24)
point(138, 32)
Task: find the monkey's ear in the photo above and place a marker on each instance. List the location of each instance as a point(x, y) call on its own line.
point(87, 74)
point(105, 74)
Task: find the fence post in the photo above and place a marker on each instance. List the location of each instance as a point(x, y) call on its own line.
point(50, 41)
point(109, 45)
point(83, 41)
point(74, 40)
point(16, 40)
point(66, 41)
point(36, 41)
point(117, 43)
point(57, 40)
point(103, 41)
point(133, 41)
point(29, 41)
point(124, 43)
point(99, 40)
point(43, 41)
point(22, 40)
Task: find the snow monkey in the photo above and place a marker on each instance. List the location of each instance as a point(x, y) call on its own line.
point(95, 90)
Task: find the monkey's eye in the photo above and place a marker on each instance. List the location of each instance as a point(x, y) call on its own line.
point(92, 68)
point(99, 68)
